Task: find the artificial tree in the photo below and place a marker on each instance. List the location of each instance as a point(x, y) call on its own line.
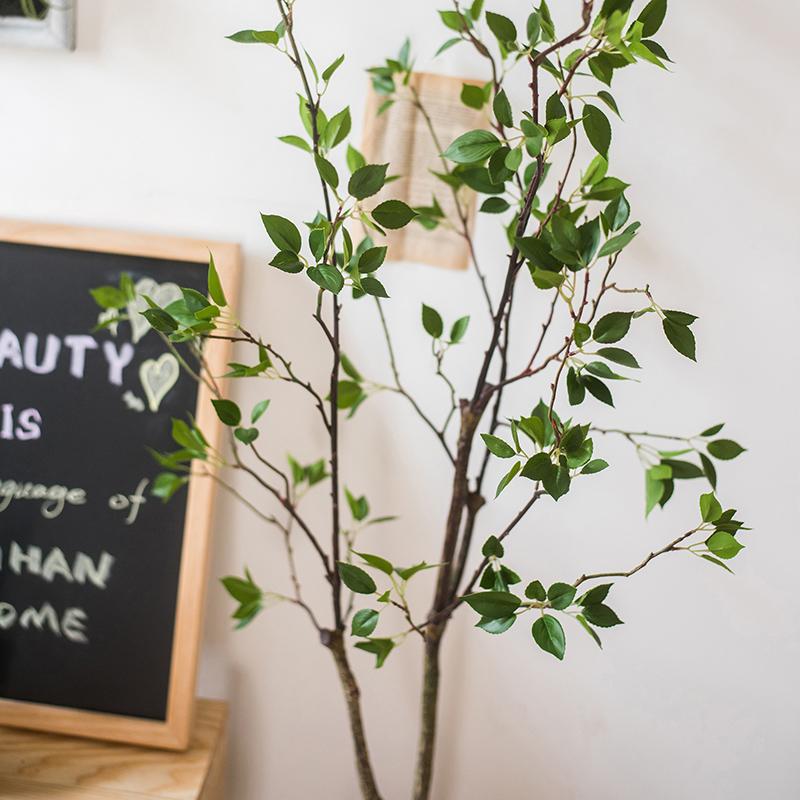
point(566, 230)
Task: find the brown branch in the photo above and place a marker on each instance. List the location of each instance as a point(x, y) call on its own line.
point(402, 391)
point(671, 547)
point(289, 506)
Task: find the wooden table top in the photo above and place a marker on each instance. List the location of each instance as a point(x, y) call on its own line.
point(40, 766)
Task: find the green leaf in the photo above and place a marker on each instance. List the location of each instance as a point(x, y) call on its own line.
point(355, 160)
point(610, 6)
point(359, 508)
point(601, 370)
point(652, 17)
point(287, 261)
point(364, 622)
point(581, 333)
point(598, 389)
point(723, 545)
point(109, 297)
point(406, 573)
point(597, 128)
point(618, 356)
point(214, 285)
point(609, 100)
point(710, 508)
point(681, 470)
point(371, 259)
point(493, 547)
point(595, 595)
point(539, 468)
point(606, 189)
point(241, 590)
point(601, 615)
point(349, 393)
point(591, 631)
point(378, 647)
point(616, 213)
point(496, 626)
point(472, 96)
point(432, 322)
point(258, 410)
point(594, 466)
point(617, 243)
point(513, 159)
point(680, 317)
point(561, 596)
point(535, 591)
point(166, 484)
point(549, 635)
point(716, 561)
point(494, 605)
point(497, 446)
point(254, 37)
point(327, 277)
point(494, 205)
point(475, 9)
point(367, 180)
point(576, 391)
point(654, 489)
point(355, 579)
point(473, 146)
point(375, 561)
point(557, 483)
point(160, 320)
point(327, 73)
point(502, 27)
point(393, 214)
point(454, 20)
point(326, 171)
point(374, 287)
point(283, 232)
point(336, 130)
point(502, 109)
point(228, 412)
point(680, 337)
point(612, 327)
point(538, 253)
point(725, 449)
point(447, 45)
point(246, 435)
point(709, 470)
point(713, 430)
point(508, 477)
point(459, 329)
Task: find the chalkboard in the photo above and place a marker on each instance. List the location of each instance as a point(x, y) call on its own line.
point(95, 572)
point(13, 8)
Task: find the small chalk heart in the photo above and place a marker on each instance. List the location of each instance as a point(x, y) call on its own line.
point(158, 376)
point(161, 293)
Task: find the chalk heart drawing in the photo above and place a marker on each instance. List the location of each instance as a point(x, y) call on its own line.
point(158, 376)
point(161, 293)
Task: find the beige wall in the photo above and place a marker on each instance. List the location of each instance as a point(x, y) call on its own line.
point(158, 124)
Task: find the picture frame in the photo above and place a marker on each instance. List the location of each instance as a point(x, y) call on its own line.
point(174, 731)
point(54, 30)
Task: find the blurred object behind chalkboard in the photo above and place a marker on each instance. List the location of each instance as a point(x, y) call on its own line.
point(38, 23)
point(101, 584)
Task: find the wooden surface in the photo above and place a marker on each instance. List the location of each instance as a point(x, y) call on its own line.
point(37, 766)
point(173, 733)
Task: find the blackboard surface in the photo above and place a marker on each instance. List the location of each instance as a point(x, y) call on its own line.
point(107, 568)
point(13, 8)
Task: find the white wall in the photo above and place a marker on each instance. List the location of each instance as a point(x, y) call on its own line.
point(157, 123)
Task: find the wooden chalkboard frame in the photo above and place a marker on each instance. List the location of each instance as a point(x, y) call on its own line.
point(174, 732)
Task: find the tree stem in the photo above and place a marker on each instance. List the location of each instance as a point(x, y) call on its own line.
point(352, 696)
point(428, 711)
